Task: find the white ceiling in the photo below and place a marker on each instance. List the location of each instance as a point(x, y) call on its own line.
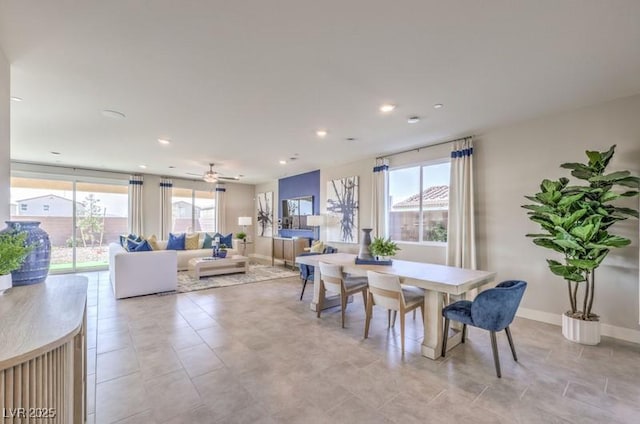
point(246, 83)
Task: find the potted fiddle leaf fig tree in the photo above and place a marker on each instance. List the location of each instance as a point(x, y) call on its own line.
point(13, 251)
point(576, 222)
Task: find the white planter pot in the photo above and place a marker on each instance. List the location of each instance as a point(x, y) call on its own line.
point(5, 282)
point(581, 331)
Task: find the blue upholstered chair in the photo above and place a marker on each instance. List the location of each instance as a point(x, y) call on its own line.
point(492, 310)
point(306, 271)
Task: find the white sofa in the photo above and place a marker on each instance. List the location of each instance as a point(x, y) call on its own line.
point(140, 273)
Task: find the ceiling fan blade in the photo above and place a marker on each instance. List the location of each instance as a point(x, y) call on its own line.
point(229, 178)
point(192, 173)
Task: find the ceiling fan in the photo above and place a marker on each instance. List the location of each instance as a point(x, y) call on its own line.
point(212, 176)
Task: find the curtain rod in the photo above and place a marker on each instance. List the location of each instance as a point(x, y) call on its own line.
point(417, 149)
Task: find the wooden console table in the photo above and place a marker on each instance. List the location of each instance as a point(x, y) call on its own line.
point(43, 352)
point(287, 248)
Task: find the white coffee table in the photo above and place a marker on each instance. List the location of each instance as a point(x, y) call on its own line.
point(201, 267)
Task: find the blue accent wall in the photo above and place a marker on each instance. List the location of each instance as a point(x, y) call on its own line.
point(307, 184)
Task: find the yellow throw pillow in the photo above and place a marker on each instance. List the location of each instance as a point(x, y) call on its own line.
point(192, 241)
point(153, 242)
point(317, 247)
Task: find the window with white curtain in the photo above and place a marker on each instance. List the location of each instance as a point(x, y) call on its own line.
point(418, 206)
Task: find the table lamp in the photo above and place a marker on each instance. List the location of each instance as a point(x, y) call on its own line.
point(244, 221)
point(315, 221)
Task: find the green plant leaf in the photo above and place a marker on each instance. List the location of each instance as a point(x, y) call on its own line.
point(613, 241)
point(569, 244)
point(584, 264)
point(627, 211)
point(633, 182)
point(569, 200)
point(630, 193)
point(594, 157)
point(613, 177)
point(549, 244)
point(606, 156)
point(570, 273)
point(575, 216)
point(584, 232)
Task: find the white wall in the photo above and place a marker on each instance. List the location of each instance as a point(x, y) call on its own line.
point(5, 164)
point(511, 162)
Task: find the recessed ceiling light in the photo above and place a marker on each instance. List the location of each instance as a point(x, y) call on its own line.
point(321, 133)
point(164, 141)
point(16, 98)
point(387, 107)
point(283, 162)
point(351, 139)
point(55, 153)
point(171, 166)
point(113, 114)
point(413, 119)
point(438, 106)
point(142, 166)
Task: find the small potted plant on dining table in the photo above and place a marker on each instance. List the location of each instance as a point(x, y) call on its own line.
point(383, 249)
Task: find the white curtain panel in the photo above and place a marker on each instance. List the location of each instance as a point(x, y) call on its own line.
point(135, 204)
point(461, 238)
point(166, 207)
point(379, 198)
point(221, 216)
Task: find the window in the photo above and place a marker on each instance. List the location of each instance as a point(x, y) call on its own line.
point(45, 208)
point(23, 207)
point(193, 210)
point(418, 207)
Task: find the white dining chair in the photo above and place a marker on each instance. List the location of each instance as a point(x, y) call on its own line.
point(332, 279)
point(387, 292)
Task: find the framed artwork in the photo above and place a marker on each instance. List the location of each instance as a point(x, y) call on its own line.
point(342, 210)
point(265, 214)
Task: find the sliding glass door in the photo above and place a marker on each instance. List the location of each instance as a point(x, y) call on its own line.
point(81, 217)
point(100, 220)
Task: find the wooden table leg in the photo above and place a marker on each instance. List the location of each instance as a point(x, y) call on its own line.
point(432, 343)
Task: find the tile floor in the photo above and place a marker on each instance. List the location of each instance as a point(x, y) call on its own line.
point(255, 354)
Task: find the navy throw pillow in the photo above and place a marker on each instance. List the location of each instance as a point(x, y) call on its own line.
point(226, 240)
point(176, 241)
point(123, 241)
point(131, 245)
point(143, 246)
point(208, 241)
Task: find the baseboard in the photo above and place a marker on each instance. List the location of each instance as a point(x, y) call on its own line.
point(608, 330)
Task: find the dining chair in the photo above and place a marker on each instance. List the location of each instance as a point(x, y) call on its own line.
point(386, 291)
point(307, 272)
point(492, 310)
point(332, 279)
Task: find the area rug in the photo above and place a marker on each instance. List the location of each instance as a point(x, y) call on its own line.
point(256, 273)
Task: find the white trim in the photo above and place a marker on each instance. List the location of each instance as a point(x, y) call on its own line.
point(609, 330)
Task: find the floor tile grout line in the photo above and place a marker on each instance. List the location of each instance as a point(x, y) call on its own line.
point(564, 392)
point(480, 394)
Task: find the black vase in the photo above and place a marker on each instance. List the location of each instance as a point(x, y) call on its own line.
point(35, 267)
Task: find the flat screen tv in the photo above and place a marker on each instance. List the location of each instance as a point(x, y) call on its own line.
point(295, 212)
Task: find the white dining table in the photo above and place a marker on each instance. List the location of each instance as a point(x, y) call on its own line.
point(436, 280)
